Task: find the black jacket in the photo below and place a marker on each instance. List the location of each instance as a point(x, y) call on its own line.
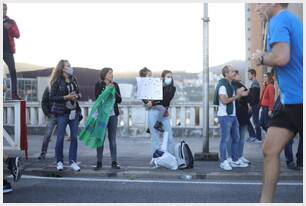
point(58, 91)
point(100, 87)
point(242, 106)
point(46, 104)
point(254, 93)
point(168, 94)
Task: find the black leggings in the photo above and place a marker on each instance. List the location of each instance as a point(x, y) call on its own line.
point(10, 62)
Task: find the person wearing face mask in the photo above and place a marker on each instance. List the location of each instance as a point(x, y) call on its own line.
point(145, 72)
point(65, 94)
point(155, 113)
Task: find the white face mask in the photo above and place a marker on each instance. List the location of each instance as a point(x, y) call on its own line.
point(168, 81)
point(69, 71)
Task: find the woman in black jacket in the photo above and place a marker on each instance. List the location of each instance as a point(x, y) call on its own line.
point(65, 95)
point(243, 118)
point(106, 76)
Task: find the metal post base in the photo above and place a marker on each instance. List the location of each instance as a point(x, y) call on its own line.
point(211, 156)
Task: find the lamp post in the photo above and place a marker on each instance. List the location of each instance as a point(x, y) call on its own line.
point(205, 154)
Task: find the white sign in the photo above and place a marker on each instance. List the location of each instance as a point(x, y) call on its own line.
point(149, 88)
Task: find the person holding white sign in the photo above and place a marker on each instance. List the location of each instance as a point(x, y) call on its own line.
point(145, 72)
point(153, 115)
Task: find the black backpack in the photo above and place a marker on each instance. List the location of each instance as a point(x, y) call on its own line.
point(183, 155)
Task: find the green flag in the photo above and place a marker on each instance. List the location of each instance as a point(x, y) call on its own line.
point(95, 127)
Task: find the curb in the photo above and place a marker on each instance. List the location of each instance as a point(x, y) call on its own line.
point(157, 174)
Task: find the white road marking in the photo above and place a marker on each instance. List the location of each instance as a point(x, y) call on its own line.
point(156, 181)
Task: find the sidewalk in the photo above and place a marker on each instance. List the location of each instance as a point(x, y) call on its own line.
point(134, 155)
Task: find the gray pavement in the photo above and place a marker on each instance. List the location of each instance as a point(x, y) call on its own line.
point(137, 182)
point(89, 190)
point(134, 155)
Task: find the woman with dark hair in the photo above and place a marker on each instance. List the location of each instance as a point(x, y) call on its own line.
point(65, 94)
point(153, 113)
point(106, 76)
point(267, 100)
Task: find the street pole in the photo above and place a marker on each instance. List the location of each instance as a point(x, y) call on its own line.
point(205, 80)
point(206, 155)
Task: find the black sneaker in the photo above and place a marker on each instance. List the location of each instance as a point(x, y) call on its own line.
point(99, 166)
point(292, 166)
point(159, 126)
point(42, 156)
point(148, 131)
point(299, 164)
point(7, 187)
point(14, 165)
point(115, 165)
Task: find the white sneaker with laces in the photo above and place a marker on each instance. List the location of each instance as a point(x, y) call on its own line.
point(225, 165)
point(60, 166)
point(153, 164)
point(238, 163)
point(74, 166)
point(244, 160)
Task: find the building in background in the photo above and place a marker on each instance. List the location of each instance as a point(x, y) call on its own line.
point(255, 32)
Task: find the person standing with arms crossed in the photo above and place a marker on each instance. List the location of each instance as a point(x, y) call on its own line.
point(285, 54)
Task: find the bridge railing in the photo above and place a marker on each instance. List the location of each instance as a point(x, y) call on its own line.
point(133, 115)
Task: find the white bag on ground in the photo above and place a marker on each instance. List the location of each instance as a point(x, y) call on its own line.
point(167, 160)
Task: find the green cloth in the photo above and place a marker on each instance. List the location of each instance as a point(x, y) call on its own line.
point(229, 90)
point(95, 127)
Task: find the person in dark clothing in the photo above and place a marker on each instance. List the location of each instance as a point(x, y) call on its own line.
point(106, 76)
point(243, 118)
point(65, 94)
point(10, 31)
point(289, 155)
point(46, 106)
point(254, 106)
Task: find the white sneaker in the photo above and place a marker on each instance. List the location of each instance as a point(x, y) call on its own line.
point(74, 166)
point(226, 165)
point(229, 159)
point(244, 160)
point(238, 163)
point(153, 164)
point(60, 166)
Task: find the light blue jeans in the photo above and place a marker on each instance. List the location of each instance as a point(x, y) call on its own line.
point(229, 128)
point(242, 132)
point(153, 116)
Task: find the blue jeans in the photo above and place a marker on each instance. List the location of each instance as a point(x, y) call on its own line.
point(264, 118)
point(242, 132)
point(62, 121)
point(255, 117)
point(153, 116)
point(229, 128)
point(289, 154)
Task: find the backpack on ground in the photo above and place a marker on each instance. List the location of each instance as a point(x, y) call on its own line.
point(183, 155)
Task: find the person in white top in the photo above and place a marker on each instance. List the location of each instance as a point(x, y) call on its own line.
point(225, 96)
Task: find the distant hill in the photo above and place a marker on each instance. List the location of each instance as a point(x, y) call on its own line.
point(25, 67)
point(241, 66)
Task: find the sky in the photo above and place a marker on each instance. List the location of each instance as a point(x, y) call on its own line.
point(128, 36)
